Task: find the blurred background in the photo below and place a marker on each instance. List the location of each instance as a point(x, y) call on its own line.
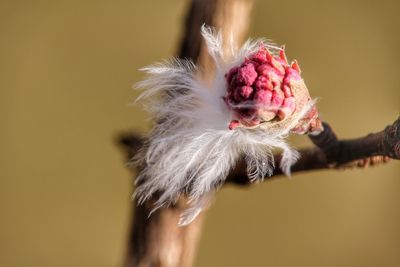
point(66, 72)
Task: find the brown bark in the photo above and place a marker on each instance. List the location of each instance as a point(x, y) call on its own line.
point(158, 240)
point(329, 152)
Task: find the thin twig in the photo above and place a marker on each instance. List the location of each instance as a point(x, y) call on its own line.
point(329, 152)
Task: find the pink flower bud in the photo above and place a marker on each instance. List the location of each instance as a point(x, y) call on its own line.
point(231, 74)
point(247, 74)
point(277, 65)
point(288, 107)
point(268, 71)
point(233, 124)
point(263, 98)
point(282, 57)
point(261, 55)
point(291, 74)
point(286, 90)
point(266, 87)
point(243, 92)
point(277, 99)
point(263, 83)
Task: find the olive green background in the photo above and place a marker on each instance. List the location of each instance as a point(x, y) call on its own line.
point(66, 72)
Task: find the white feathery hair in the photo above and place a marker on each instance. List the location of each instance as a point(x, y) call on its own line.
point(190, 149)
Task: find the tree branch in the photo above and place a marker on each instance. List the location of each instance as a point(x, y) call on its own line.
point(329, 152)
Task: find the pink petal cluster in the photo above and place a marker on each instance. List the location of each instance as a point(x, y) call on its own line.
point(260, 89)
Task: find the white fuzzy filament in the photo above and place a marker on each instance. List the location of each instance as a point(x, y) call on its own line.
point(191, 150)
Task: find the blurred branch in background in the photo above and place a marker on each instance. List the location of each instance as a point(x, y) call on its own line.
point(157, 240)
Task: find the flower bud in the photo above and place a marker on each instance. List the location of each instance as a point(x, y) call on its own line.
point(247, 74)
point(266, 88)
